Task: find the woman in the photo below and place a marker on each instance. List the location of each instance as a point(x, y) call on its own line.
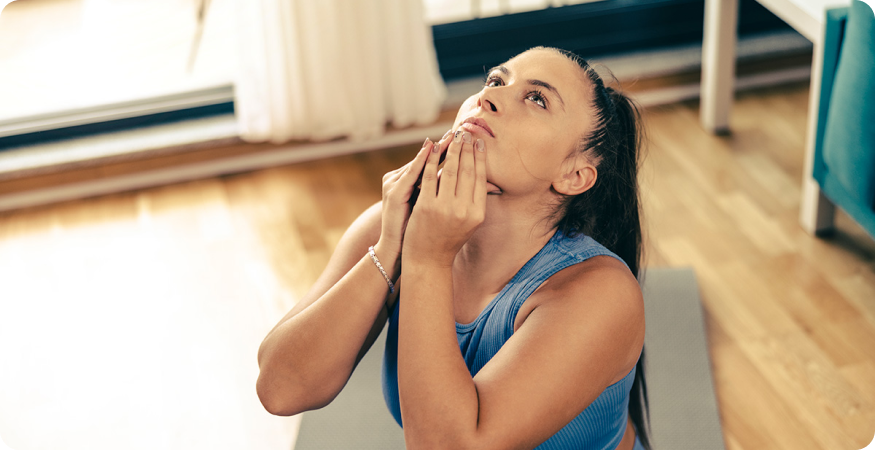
point(523, 253)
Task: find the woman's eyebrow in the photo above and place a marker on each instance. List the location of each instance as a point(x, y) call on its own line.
point(549, 87)
point(501, 69)
point(543, 84)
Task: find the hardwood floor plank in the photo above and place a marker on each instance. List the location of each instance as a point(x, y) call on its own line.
point(841, 341)
point(747, 399)
point(804, 378)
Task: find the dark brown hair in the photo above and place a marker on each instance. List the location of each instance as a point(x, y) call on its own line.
point(609, 212)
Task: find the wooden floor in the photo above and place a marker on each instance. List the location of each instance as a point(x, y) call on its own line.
point(118, 309)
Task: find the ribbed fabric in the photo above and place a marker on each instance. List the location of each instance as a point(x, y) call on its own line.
point(602, 424)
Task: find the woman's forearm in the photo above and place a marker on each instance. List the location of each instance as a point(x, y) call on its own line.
point(306, 360)
point(438, 397)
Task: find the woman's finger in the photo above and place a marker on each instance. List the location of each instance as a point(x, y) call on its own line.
point(443, 145)
point(446, 137)
point(428, 190)
point(467, 174)
point(480, 170)
point(450, 172)
point(395, 174)
point(445, 142)
point(414, 168)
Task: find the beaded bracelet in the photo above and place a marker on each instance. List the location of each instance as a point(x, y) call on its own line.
point(380, 266)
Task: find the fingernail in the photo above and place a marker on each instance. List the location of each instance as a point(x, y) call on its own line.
point(479, 145)
point(458, 136)
point(447, 134)
point(466, 136)
point(425, 142)
point(435, 148)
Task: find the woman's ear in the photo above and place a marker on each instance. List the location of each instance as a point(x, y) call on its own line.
point(578, 181)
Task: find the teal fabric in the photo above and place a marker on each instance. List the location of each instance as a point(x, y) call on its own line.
point(833, 29)
point(862, 214)
point(849, 137)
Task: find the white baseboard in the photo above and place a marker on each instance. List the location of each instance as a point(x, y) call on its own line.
point(675, 94)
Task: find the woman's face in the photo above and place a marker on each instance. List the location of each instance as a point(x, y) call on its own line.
point(531, 113)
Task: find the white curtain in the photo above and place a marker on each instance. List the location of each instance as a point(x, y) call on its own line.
point(321, 69)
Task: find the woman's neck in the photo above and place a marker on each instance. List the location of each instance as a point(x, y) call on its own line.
point(501, 245)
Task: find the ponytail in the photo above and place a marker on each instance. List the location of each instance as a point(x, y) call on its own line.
point(609, 212)
point(629, 241)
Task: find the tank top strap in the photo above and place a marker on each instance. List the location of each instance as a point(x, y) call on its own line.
point(560, 252)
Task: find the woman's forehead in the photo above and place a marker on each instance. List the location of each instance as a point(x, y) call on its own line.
point(545, 60)
point(549, 65)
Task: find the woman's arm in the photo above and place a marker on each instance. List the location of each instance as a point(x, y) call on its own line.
point(584, 334)
point(308, 357)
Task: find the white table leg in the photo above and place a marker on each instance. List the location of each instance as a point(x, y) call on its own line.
point(816, 212)
point(718, 64)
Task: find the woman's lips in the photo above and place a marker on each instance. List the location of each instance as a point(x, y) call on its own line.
point(475, 129)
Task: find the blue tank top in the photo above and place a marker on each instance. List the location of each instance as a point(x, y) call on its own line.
point(602, 424)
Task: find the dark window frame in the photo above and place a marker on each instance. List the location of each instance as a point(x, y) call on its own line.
point(609, 27)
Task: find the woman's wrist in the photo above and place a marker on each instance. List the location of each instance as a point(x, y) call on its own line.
point(430, 259)
point(390, 258)
point(427, 267)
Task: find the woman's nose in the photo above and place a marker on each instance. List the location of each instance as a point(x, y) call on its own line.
point(487, 103)
point(488, 100)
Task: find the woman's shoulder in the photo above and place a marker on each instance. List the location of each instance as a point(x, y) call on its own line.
point(580, 246)
point(598, 286)
point(589, 266)
point(594, 278)
point(602, 277)
point(602, 298)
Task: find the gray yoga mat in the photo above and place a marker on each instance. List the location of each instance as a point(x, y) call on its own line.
point(683, 408)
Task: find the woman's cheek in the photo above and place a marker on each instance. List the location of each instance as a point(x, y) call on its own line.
point(538, 166)
point(535, 159)
point(465, 109)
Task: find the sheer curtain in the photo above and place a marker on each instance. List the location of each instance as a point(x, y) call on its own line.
point(321, 69)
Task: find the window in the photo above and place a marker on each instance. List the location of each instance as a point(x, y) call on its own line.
point(77, 62)
point(448, 11)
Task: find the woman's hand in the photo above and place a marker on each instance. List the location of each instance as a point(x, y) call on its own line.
point(447, 213)
point(399, 194)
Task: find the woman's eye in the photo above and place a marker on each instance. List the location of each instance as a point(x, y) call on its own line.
point(537, 98)
point(493, 82)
